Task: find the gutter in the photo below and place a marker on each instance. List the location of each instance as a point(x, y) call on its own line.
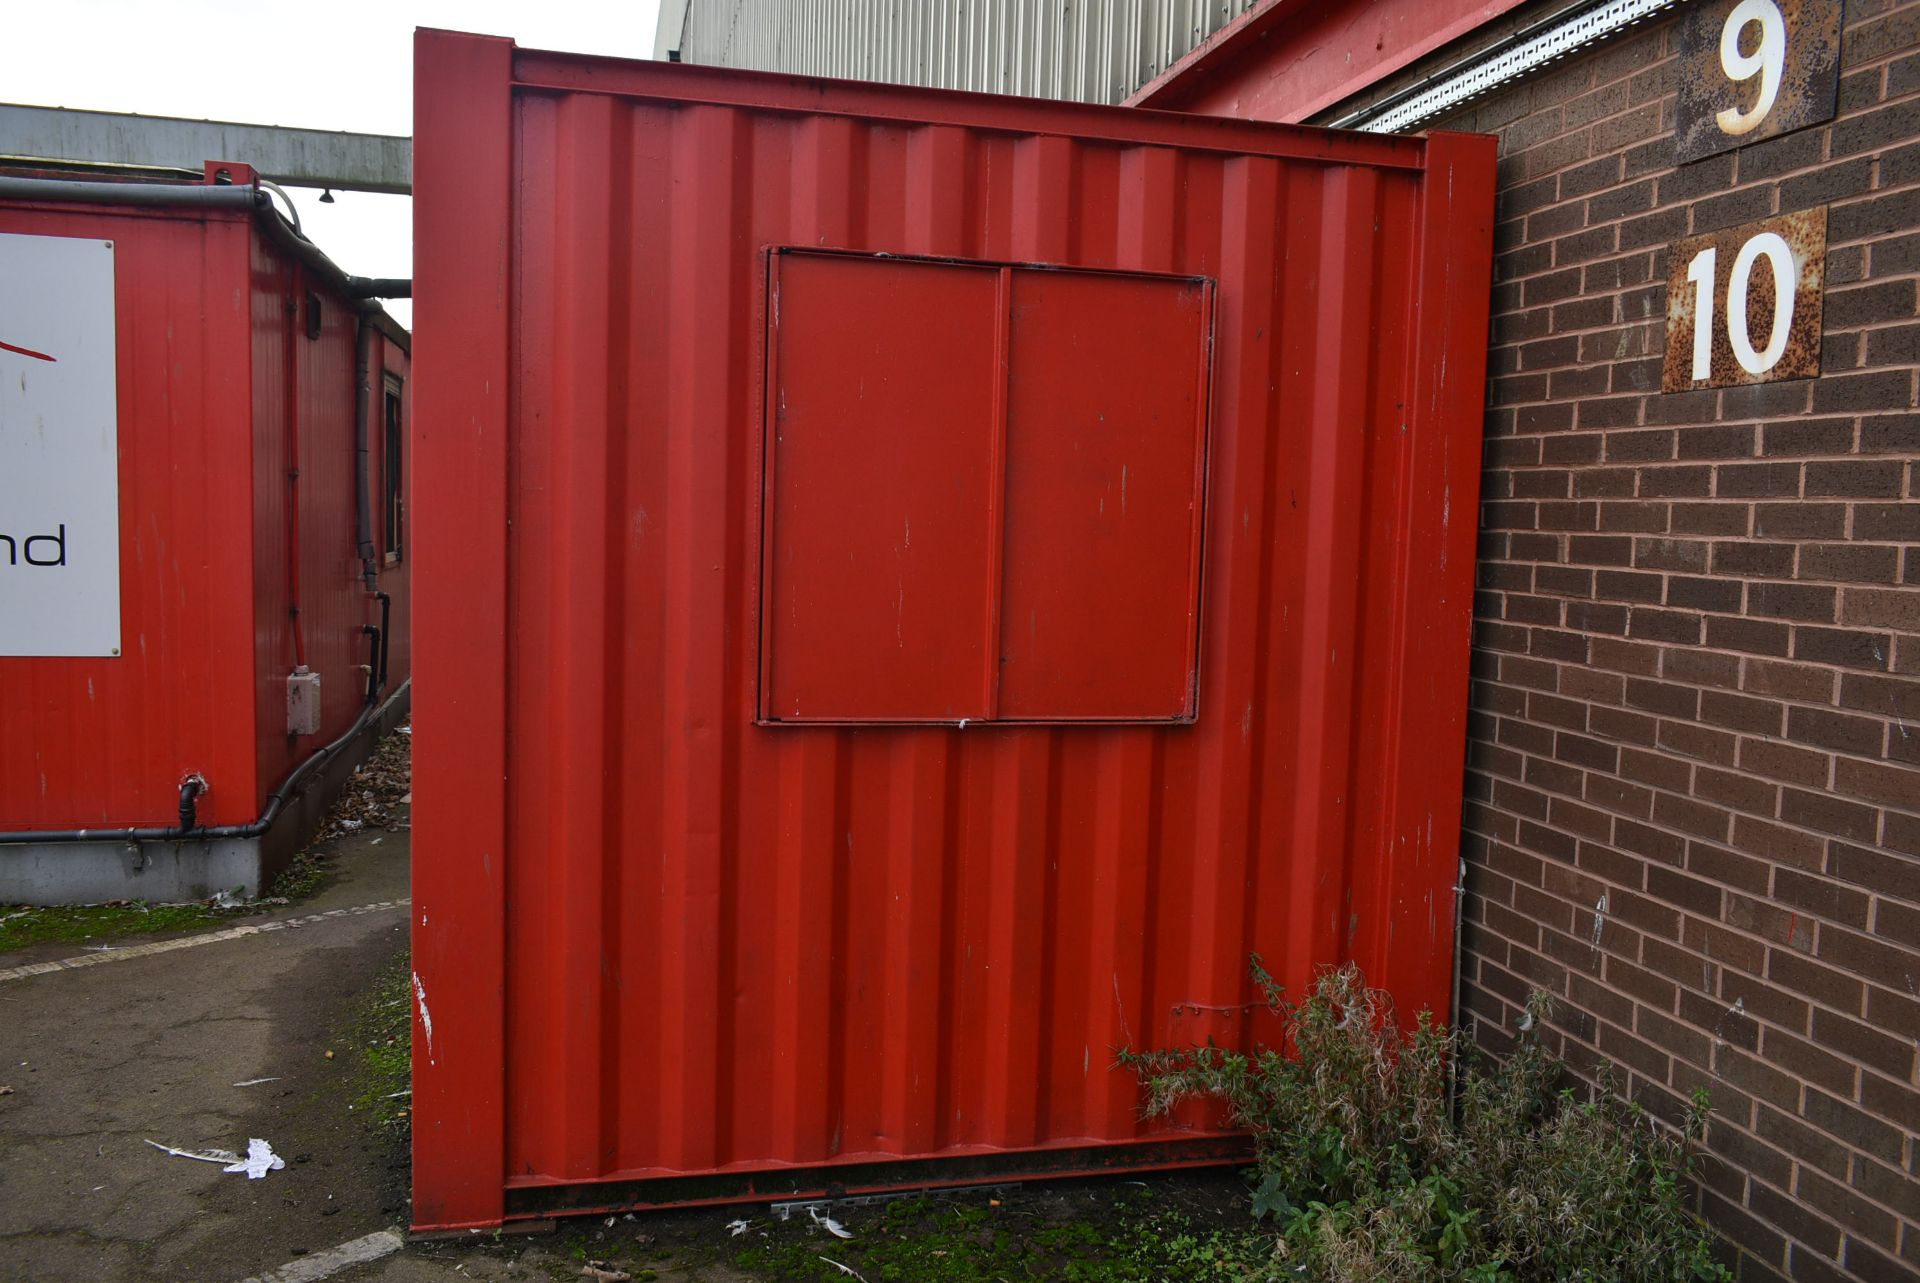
point(361, 291)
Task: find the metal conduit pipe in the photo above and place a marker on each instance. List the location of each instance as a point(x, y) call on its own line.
point(245, 197)
point(102, 193)
point(379, 287)
point(275, 804)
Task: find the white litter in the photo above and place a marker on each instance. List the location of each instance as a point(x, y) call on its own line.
point(847, 1270)
point(255, 1082)
point(228, 900)
point(828, 1224)
point(738, 1227)
point(259, 1161)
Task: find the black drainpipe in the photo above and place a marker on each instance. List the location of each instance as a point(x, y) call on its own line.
point(190, 790)
point(363, 336)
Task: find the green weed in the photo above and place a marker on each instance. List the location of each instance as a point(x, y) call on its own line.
point(383, 1031)
point(1372, 1171)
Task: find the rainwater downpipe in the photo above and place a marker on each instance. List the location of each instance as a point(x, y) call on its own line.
point(290, 359)
point(363, 336)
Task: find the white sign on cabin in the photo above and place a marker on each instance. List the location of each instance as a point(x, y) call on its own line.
point(59, 448)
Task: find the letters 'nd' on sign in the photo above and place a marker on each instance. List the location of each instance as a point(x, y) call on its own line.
point(1744, 305)
point(59, 448)
point(1754, 69)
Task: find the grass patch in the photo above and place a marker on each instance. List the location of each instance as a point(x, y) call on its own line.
point(22, 926)
point(382, 1032)
point(973, 1239)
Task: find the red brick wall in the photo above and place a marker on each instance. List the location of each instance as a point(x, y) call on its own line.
point(1694, 790)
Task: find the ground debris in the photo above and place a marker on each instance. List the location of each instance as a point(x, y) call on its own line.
point(374, 797)
point(602, 1273)
point(259, 1161)
point(828, 1224)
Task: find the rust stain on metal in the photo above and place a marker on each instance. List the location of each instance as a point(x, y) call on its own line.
point(1805, 233)
point(1809, 76)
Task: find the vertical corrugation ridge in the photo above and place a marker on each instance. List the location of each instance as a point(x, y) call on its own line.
point(575, 769)
point(1236, 482)
point(1374, 766)
point(739, 647)
point(531, 1023)
point(837, 926)
point(613, 732)
point(636, 894)
point(707, 144)
point(1249, 200)
point(1045, 1017)
point(1264, 901)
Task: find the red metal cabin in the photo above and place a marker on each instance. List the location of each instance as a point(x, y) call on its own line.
point(916, 588)
point(256, 502)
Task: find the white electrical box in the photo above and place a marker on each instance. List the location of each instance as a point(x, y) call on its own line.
point(303, 702)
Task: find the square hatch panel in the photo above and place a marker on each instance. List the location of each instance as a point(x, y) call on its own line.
point(983, 491)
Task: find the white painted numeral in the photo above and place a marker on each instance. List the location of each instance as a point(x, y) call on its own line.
point(1774, 247)
point(1700, 276)
point(1768, 61)
point(1786, 277)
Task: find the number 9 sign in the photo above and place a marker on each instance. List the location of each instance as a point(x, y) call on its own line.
point(1754, 69)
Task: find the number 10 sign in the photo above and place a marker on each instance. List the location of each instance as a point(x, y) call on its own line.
point(1743, 305)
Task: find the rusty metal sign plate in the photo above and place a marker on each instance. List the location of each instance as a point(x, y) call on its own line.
point(1755, 69)
point(1744, 305)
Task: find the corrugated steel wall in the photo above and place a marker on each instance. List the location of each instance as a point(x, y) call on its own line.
point(201, 327)
point(1084, 50)
point(332, 598)
point(95, 741)
point(657, 940)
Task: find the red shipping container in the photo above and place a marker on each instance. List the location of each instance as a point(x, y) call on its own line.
point(235, 386)
point(917, 587)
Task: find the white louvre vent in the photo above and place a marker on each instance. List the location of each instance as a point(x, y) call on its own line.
point(1449, 89)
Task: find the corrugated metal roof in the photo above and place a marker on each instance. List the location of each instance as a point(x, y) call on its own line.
point(1083, 50)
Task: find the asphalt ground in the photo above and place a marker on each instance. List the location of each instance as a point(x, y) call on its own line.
point(149, 1046)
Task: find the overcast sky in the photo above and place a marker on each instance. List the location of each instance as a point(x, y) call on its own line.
point(345, 64)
